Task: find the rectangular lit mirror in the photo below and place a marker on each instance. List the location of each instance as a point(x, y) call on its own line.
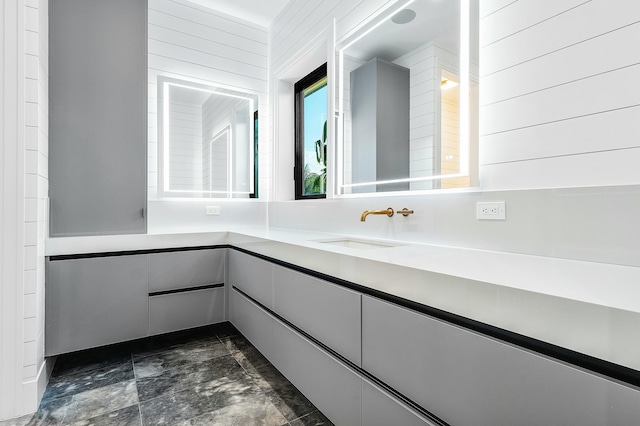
point(207, 141)
point(407, 99)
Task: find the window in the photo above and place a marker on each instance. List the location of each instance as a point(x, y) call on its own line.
point(311, 135)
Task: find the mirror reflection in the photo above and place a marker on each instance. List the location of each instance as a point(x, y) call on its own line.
point(408, 99)
point(208, 141)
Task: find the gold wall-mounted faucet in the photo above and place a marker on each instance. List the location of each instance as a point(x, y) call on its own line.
point(388, 212)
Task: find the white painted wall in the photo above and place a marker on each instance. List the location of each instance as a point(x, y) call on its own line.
point(23, 194)
point(197, 44)
point(550, 117)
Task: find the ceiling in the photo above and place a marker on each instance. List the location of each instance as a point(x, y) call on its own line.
point(435, 20)
point(259, 12)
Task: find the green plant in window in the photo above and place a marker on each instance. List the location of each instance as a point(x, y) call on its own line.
point(316, 183)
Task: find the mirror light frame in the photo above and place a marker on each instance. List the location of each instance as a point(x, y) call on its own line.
point(164, 190)
point(465, 143)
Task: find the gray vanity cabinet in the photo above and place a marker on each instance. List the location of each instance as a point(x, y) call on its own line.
point(326, 311)
point(379, 408)
point(332, 387)
point(181, 311)
point(253, 322)
point(252, 276)
point(186, 269)
point(177, 299)
point(95, 301)
point(329, 384)
point(469, 379)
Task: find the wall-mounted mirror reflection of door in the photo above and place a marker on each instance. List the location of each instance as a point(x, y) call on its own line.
point(207, 141)
point(407, 99)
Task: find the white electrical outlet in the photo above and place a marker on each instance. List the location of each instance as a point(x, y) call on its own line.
point(491, 210)
point(212, 210)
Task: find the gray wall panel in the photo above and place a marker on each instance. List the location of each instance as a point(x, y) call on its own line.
point(97, 116)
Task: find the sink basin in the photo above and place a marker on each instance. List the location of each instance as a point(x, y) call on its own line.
point(357, 244)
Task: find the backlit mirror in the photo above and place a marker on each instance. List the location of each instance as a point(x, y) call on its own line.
point(207, 141)
point(407, 99)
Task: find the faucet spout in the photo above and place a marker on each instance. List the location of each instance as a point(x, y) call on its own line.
point(388, 212)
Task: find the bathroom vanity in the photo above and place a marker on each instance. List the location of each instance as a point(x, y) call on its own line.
point(375, 334)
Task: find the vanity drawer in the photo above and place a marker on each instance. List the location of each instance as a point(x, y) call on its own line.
point(379, 408)
point(468, 379)
point(252, 321)
point(93, 302)
point(253, 276)
point(180, 311)
point(330, 385)
point(327, 312)
point(185, 269)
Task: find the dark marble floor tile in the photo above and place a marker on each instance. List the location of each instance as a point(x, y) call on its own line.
point(180, 356)
point(50, 412)
point(268, 377)
point(173, 408)
point(290, 401)
point(250, 358)
point(314, 419)
point(70, 384)
point(240, 344)
point(187, 376)
point(252, 411)
point(129, 416)
point(92, 359)
point(96, 402)
point(20, 421)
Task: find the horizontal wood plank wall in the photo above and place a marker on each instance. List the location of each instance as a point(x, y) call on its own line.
point(195, 43)
point(559, 100)
point(559, 93)
point(185, 164)
point(216, 116)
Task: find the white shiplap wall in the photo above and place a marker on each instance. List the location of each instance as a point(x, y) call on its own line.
point(24, 180)
point(559, 93)
point(216, 113)
point(185, 134)
point(198, 44)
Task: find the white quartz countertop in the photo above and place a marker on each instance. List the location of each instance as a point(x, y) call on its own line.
point(589, 307)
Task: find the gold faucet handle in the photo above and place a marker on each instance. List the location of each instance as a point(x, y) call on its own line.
point(405, 212)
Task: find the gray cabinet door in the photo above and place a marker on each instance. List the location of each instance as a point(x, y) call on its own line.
point(252, 276)
point(94, 302)
point(379, 408)
point(331, 386)
point(180, 311)
point(327, 312)
point(471, 380)
point(97, 117)
point(253, 322)
point(184, 269)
